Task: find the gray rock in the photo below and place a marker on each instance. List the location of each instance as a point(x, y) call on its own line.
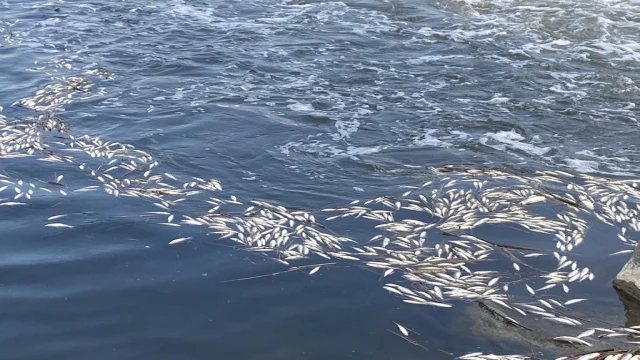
point(628, 279)
point(631, 308)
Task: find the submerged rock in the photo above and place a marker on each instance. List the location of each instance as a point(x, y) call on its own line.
point(627, 281)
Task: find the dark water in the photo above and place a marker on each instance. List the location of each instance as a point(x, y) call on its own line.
point(307, 104)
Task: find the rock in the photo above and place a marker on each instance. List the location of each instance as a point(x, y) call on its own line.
point(631, 308)
point(627, 281)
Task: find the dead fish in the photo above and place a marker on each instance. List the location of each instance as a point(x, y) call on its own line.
point(179, 240)
point(58, 225)
point(571, 340)
point(402, 329)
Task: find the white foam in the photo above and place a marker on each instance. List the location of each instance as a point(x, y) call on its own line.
point(427, 139)
point(364, 150)
point(179, 94)
point(602, 164)
point(498, 99)
point(460, 134)
point(329, 150)
point(609, 160)
point(583, 166)
point(300, 107)
point(512, 140)
point(430, 58)
point(346, 127)
point(184, 10)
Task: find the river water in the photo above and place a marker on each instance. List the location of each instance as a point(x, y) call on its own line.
point(307, 104)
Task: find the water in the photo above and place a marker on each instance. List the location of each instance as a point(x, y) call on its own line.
point(305, 104)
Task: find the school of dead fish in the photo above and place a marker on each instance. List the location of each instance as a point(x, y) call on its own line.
point(425, 248)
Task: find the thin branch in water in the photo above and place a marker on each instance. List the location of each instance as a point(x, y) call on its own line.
point(296, 268)
point(409, 340)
